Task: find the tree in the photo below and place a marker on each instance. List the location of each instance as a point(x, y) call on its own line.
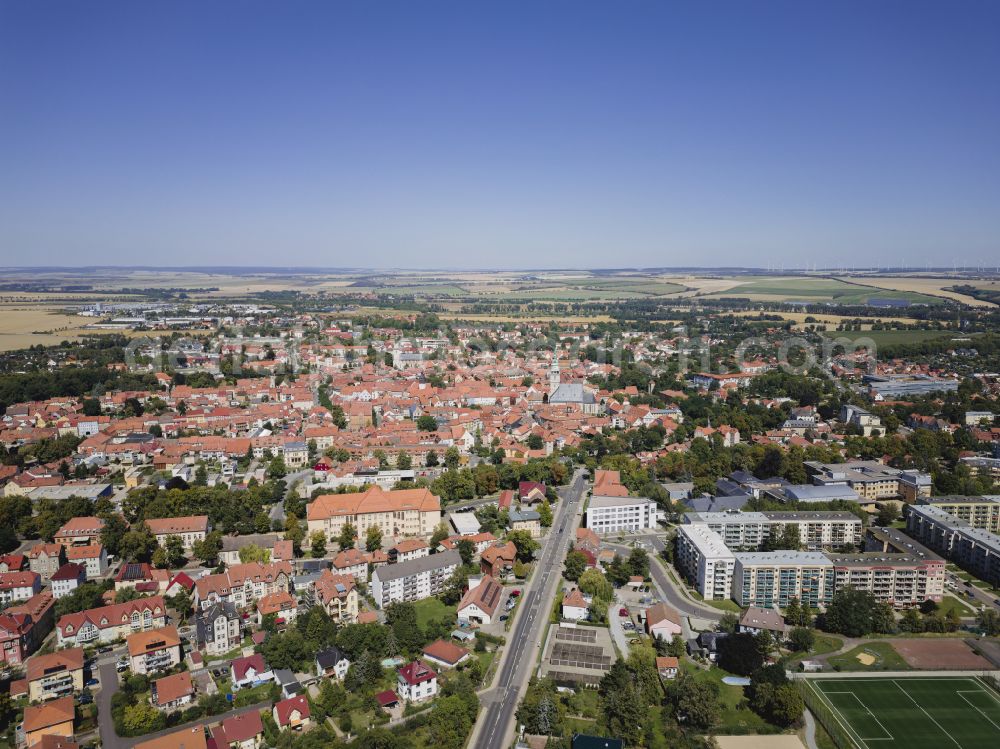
point(181, 603)
point(208, 549)
point(526, 545)
point(534, 442)
point(850, 613)
point(449, 722)
point(254, 553)
point(989, 620)
point(276, 469)
point(911, 621)
point(138, 544)
point(771, 696)
point(740, 653)
point(403, 461)
point(440, 534)
point(595, 584)
point(402, 617)
point(802, 639)
point(160, 558)
point(373, 538)
point(638, 562)
point(317, 544)
point(545, 514)
point(695, 702)
point(541, 711)
point(452, 458)
point(8, 539)
point(466, 550)
point(618, 572)
point(141, 718)
point(729, 622)
point(888, 513)
point(348, 537)
point(624, 708)
point(427, 423)
point(432, 459)
point(175, 551)
point(295, 531)
point(112, 533)
point(797, 615)
point(575, 565)
point(676, 647)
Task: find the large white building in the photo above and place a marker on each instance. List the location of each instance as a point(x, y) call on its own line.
point(706, 560)
point(751, 530)
point(414, 580)
point(621, 514)
point(769, 578)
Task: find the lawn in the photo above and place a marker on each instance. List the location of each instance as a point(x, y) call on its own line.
point(916, 713)
point(880, 656)
point(824, 644)
point(735, 717)
point(727, 604)
point(950, 602)
point(431, 609)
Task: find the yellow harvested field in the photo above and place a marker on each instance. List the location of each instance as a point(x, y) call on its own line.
point(21, 327)
point(925, 285)
point(799, 318)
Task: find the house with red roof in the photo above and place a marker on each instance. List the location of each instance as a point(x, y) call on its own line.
point(445, 654)
point(416, 682)
point(249, 671)
point(292, 713)
point(244, 731)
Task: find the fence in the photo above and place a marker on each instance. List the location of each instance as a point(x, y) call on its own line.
point(825, 715)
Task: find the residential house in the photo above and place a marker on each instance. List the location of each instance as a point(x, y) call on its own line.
point(663, 621)
point(574, 606)
point(332, 663)
point(292, 713)
point(244, 731)
point(55, 675)
point(50, 719)
point(45, 559)
point(80, 531)
point(249, 671)
point(19, 586)
point(666, 666)
point(109, 623)
point(93, 557)
point(416, 682)
point(408, 549)
point(352, 562)
point(155, 650)
point(218, 628)
point(530, 492)
point(189, 529)
point(185, 738)
point(24, 626)
point(243, 583)
point(173, 692)
point(755, 620)
point(498, 560)
point(525, 520)
point(446, 654)
point(338, 596)
point(480, 603)
point(282, 604)
point(67, 579)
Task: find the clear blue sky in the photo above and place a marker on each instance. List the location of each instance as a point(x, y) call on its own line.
point(499, 134)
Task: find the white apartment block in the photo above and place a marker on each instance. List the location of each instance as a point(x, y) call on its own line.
point(765, 579)
point(621, 514)
point(896, 579)
point(750, 530)
point(414, 580)
point(705, 559)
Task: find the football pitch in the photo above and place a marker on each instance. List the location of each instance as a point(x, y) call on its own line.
point(913, 713)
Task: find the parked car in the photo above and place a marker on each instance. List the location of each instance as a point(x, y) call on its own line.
point(515, 593)
point(86, 699)
point(91, 682)
point(504, 617)
point(623, 612)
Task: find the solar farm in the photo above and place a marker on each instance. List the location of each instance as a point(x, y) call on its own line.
point(907, 713)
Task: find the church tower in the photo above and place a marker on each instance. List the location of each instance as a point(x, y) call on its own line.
point(554, 374)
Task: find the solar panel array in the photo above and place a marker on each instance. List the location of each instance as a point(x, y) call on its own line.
point(576, 635)
point(580, 656)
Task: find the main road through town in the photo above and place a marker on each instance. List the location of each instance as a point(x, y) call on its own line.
point(495, 727)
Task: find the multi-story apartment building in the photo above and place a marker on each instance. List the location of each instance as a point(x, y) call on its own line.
point(24, 626)
point(621, 514)
point(190, 529)
point(978, 512)
point(55, 675)
point(338, 596)
point(869, 478)
point(93, 557)
point(705, 559)
point(973, 548)
point(242, 584)
point(401, 512)
point(45, 559)
point(155, 650)
point(19, 586)
point(218, 628)
point(769, 578)
point(109, 623)
point(414, 580)
point(80, 531)
point(750, 531)
point(896, 579)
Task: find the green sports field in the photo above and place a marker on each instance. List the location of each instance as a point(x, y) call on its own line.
point(913, 712)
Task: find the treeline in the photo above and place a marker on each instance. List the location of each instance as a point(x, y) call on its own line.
point(73, 382)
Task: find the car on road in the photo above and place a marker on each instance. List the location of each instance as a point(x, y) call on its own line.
point(105, 649)
point(622, 612)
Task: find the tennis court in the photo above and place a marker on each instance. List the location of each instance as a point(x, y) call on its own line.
point(912, 712)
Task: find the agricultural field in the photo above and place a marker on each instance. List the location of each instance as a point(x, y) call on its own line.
point(912, 712)
point(27, 326)
point(926, 285)
point(893, 337)
point(817, 290)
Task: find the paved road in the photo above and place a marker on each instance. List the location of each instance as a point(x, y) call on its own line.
point(278, 508)
point(670, 591)
point(495, 727)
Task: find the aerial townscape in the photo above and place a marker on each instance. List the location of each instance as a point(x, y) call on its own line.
point(564, 375)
